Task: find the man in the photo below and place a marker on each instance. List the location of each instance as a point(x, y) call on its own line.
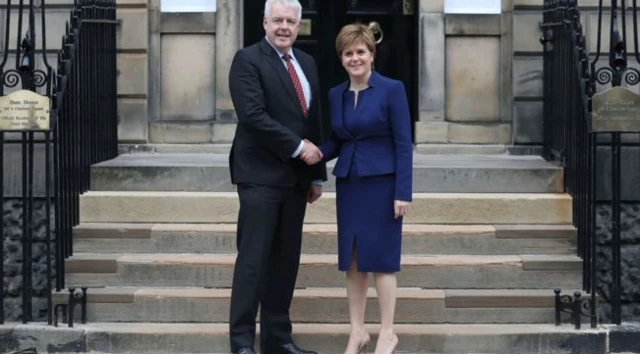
point(276, 96)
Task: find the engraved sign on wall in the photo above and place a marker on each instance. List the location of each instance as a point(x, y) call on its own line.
point(616, 110)
point(24, 110)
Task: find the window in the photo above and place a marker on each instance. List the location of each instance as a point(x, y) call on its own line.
point(472, 6)
point(188, 5)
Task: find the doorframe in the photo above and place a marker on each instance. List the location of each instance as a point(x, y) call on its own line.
point(415, 89)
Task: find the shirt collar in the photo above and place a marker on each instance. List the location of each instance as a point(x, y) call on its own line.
point(280, 54)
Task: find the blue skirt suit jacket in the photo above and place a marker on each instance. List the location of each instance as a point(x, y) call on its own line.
point(372, 142)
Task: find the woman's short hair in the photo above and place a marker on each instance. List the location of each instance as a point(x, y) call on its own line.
point(355, 34)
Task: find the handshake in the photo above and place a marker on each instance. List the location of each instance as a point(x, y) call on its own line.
point(310, 153)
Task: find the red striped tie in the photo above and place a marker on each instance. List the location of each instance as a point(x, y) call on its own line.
point(296, 83)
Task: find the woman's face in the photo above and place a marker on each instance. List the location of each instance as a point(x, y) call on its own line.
point(357, 60)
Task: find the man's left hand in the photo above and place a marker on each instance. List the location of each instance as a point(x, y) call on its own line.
point(314, 193)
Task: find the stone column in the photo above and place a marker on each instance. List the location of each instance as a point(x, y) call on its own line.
point(432, 128)
point(155, 73)
point(506, 67)
point(229, 38)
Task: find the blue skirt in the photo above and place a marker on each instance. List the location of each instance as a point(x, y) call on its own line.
point(365, 221)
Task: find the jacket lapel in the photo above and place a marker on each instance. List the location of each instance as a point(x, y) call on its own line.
point(276, 62)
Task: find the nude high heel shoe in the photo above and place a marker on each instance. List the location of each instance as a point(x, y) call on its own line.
point(362, 346)
point(391, 347)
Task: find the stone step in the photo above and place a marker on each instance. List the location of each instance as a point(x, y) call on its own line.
point(321, 239)
point(164, 338)
point(437, 149)
point(427, 208)
point(323, 305)
point(432, 173)
point(434, 272)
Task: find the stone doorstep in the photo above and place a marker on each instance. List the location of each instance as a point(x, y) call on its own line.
point(326, 338)
point(108, 263)
point(444, 149)
point(427, 208)
point(431, 161)
point(453, 298)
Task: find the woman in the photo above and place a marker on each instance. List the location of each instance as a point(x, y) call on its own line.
point(371, 136)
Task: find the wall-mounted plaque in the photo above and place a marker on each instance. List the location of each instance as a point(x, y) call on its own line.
point(305, 27)
point(616, 110)
point(24, 110)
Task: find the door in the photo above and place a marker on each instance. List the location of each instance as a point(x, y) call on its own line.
point(395, 26)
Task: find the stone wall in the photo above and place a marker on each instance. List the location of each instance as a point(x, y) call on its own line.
point(465, 76)
point(630, 230)
point(189, 56)
point(13, 260)
point(630, 264)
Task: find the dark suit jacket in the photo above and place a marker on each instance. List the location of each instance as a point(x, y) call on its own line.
point(270, 119)
point(381, 144)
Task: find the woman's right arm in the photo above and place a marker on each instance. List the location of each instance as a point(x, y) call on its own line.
point(331, 148)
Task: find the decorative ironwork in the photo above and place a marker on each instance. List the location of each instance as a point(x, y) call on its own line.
point(23, 72)
point(576, 306)
point(570, 83)
point(68, 309)
point(11, 78)
point(605, 76)
point(40, 78)
point(632, 76)
point(82, 130)
point(567, 140)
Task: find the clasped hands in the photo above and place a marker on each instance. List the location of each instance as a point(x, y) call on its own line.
point(310, 153)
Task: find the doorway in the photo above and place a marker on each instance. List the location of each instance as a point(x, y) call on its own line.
point(395, 25)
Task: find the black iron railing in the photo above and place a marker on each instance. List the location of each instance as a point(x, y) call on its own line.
point(82, 129)
point(567, 139)
point(571, 79)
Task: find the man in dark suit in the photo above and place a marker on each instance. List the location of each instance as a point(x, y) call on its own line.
point(276, 96)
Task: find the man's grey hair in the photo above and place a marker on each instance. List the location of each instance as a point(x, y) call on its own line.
point(288, 3)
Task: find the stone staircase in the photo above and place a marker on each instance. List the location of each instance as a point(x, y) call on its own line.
point(487, 240)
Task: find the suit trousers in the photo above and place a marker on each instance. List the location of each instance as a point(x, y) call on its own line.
point(269, 239)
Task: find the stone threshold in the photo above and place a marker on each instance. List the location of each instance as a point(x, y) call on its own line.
point(421, 148)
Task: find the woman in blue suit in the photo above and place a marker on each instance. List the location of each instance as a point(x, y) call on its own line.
point(371, 137)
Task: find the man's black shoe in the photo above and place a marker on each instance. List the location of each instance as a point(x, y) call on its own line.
point(289, 348)
point(247, 350)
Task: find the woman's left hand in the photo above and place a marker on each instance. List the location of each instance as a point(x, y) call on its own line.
point(400, 208)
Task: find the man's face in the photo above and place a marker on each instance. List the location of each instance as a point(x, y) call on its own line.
point(282, 26)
